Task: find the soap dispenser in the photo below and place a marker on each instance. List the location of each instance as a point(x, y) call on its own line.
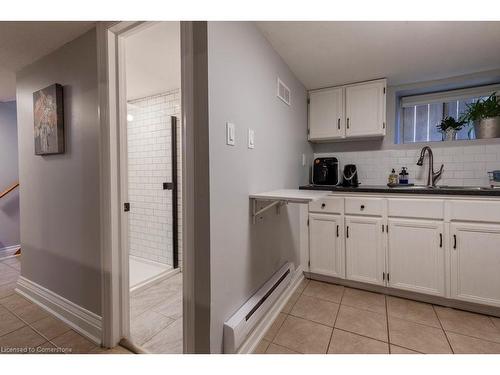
point(403, 176)
point(393, 177)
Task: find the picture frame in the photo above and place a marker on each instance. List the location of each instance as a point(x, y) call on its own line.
point(48, 118)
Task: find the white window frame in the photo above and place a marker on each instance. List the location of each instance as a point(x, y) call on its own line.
point(444, 96)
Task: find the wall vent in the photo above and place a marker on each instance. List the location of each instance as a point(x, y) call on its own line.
point(283, 92)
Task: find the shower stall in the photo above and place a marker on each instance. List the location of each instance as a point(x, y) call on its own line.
point(154, 188)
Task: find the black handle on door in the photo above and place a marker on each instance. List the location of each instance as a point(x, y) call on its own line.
point(362, 207)
point(347, 232)
point(348, 123)
point(440, 239)
point(337, 230)
point(323, 205)
point(454, 241)
point(338, 124)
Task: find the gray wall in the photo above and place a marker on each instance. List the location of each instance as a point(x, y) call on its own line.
point(393, 94)
point(60, 193)
point(9, 205)
point(243, 70)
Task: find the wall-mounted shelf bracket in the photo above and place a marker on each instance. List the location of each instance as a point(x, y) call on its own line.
point(256, 211)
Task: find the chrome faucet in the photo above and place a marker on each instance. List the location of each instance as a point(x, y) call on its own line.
point(432, 176)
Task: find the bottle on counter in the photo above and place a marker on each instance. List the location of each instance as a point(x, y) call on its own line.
point(393, 177)
point(403, 176)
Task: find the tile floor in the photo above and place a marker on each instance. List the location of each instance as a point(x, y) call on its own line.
point(27, 328)
point(328, 318)
point(156, 317)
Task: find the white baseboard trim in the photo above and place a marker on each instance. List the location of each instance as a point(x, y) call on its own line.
point(154, 280)
point(267, 320)
point(8, 251)
point(81, 320)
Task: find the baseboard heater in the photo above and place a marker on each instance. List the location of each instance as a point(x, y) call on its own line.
point(237, 328)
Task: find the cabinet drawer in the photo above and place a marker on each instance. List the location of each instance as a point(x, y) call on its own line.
point(331, 205)
point(487, 211)
point(364, 206)
point(416, 208)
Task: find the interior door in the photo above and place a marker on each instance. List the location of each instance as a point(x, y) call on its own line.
point(475, 262)
point(365, 109)
point(365, 250)
point(416, 254)
point(325, 245)
point(326, 114)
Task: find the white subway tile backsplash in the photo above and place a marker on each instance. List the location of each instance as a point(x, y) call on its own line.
point(463, 165)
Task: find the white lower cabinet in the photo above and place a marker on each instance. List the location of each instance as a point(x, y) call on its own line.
point(450, 248)
point(416, 255)
point(475, 262)
point(365, 251)
point(326, 250)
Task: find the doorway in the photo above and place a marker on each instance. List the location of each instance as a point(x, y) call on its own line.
point(194, 222)
point(149, 61)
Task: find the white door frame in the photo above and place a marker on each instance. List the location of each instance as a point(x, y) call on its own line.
point(195, 185)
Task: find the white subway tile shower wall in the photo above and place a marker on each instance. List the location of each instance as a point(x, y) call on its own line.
point(149, 152)
point(463, 165)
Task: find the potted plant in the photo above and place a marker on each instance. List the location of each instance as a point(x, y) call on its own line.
point(449, 128)
point(485, 116)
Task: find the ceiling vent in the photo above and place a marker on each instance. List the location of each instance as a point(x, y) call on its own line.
point(283, 92)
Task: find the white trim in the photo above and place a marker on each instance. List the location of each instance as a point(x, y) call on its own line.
point(8, 251)
point(448, 96)
point(267, 320)
point(81, 320)
point(167, 274)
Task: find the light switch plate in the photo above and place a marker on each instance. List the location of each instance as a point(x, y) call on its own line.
point(251, 138)
point(230, 134)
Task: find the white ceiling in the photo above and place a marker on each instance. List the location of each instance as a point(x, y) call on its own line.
point(153, 60)
point(331, 53)
point(22, 43)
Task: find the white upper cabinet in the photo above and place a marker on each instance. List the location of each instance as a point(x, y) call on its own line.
point(326, 114)
point(352, 111)
point(365, 109)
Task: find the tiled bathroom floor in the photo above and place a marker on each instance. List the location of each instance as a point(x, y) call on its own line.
point(156, 316)
point(26, 326)
point(326, 318)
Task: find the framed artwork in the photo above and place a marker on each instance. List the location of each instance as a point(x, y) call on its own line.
point(48, 118)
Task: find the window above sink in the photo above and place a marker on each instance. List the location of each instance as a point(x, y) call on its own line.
point(419, 115)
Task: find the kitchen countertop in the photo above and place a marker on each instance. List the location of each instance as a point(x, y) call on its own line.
point(443, 190)
point(291, 195)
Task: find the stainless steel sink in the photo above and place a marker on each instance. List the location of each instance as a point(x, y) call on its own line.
point(446, 187)
point(411, 187)
point(464, 187)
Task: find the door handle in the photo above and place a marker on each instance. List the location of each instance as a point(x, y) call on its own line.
point(338, 124)
point(348, 123)
point(347, 232)
point(440, 239)
point(337, 230)
point(454, 241)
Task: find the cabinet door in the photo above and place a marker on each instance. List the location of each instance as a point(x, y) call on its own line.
point(475, 262)
point(416, 255)
point(365, 251)
point(326, 114)
point(325, 244)
point(365, 109)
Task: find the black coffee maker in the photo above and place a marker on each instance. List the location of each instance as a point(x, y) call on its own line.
point(350, 176)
